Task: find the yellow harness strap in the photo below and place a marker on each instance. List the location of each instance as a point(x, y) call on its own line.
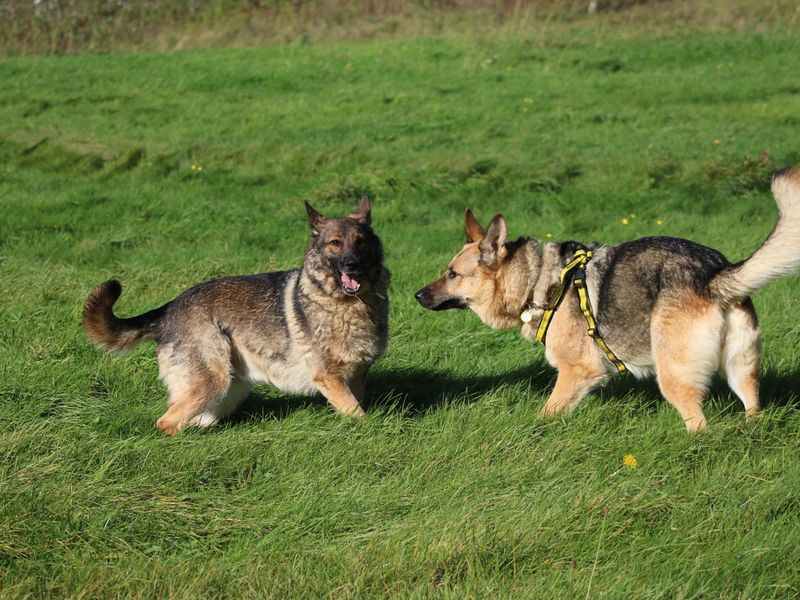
point(577, 269)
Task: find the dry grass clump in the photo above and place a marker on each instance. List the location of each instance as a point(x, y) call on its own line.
point(68, 26)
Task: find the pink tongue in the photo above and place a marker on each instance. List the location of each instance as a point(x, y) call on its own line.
point(349, 282)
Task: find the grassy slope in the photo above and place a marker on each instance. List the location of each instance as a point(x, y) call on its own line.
point(451, 486)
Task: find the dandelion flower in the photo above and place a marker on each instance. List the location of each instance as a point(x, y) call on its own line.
point(629, 460)
point(548, 235)
point(625, 221)
point(632, 215)
point(659, 222)
point(717, 142)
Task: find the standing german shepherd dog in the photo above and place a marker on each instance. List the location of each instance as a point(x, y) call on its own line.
point(662, 305)
point(317, 328)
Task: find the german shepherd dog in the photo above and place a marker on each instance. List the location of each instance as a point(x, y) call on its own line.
point(317, 328)
point(663, 305)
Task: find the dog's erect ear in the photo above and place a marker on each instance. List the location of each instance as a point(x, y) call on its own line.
point(492, 246)
point(475, 233)
point(362, 213)
point(315, 219)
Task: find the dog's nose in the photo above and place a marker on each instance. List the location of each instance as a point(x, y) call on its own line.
point(419, 296)
point(350, 263)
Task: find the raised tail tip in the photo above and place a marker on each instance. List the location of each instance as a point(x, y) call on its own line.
point(98, 317)
point(786, 179)
point(105, 294)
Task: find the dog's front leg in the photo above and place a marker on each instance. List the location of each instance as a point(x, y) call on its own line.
point(358, 383)
point(572, 385)
point(337, 392)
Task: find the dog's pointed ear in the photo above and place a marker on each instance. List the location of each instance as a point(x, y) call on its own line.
point(362, 214)
point(315, 219)
point(492, 246)
point(473, 229)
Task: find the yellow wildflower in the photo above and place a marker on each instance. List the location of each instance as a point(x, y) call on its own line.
point(659, 222)
point(629, 460)
point(548, 235)
point(625, 221)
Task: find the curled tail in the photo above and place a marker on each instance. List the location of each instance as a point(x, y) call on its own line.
point(109, 331)
point(778, 256)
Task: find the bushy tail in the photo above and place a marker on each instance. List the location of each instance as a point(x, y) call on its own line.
point(109, 331)
point(778, 256)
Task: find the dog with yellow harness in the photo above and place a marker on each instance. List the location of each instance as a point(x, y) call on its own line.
point(657, 305)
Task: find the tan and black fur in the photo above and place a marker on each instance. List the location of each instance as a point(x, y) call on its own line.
point(663, 305)
point(317, 328)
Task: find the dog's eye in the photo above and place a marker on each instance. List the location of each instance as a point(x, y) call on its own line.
point(451, 274)
point(335, 243)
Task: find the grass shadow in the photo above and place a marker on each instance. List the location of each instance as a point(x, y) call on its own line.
point(416, 391)
point(780, 389)
point(268, 404)
point(412, 391)
point(776, 390)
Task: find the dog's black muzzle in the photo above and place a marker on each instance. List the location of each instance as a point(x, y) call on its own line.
point(427, 299)
point(350, 263)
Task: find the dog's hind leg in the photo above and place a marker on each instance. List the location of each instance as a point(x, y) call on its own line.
point(188, 401)
point(741, 353)
point(198, 379)
point(686, 335)
point(572, 385)
point(238, 390)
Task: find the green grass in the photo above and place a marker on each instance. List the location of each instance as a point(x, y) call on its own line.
point(451, 486)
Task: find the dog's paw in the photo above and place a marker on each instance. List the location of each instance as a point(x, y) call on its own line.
point(167, 426)
point(357, 412)
point(548, 412)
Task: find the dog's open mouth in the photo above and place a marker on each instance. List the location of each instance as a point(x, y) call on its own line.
point(350, 283)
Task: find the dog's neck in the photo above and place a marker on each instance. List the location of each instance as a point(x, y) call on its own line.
point(514, 284)
point(526, 281)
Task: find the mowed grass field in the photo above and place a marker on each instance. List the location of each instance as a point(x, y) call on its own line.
point(165, 170)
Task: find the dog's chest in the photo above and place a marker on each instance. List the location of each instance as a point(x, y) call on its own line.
point(342, 341)
point(357, 335)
